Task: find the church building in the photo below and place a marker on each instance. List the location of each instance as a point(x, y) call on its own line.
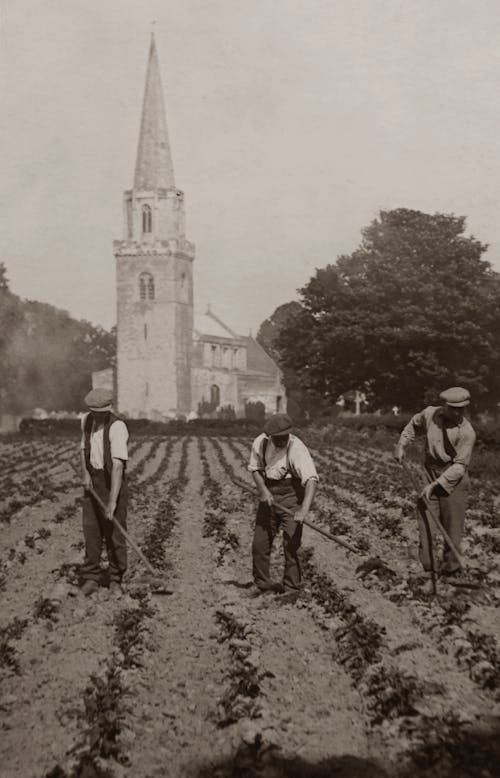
point(171, 361)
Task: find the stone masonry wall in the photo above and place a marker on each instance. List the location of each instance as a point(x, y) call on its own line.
point(154, 341)
point(204, 377)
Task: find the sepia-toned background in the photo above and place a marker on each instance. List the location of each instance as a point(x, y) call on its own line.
point(291, 124)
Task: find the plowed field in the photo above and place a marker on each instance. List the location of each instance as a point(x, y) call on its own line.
point(363, 676)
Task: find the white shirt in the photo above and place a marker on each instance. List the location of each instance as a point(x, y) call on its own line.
point(118, 437)
point(295, 454)
point(462, 438)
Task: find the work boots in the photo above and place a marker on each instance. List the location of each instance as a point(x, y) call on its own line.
point(89, 587)
point(115, 589)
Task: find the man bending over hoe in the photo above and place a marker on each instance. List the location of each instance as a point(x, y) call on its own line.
point(449, 440)
point(103, 458)
point(286, 477)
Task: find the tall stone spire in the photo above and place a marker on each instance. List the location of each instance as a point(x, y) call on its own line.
point(154, 169)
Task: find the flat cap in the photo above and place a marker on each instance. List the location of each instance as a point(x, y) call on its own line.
point(457, 397)
point(99, 400)
point(278, 424)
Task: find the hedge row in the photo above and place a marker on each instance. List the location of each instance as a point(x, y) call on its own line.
point(375, 425)
point(367, 424)
point(51, 427)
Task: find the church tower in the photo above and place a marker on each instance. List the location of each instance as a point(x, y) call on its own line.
point(154, 272)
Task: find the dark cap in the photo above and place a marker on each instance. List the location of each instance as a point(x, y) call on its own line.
point(278, 424)
point(457, 397)
point(99, 400)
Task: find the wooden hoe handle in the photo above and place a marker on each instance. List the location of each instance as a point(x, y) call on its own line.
point(434, 518)
point(445, 535)
point(308, 523)
point(125, 534)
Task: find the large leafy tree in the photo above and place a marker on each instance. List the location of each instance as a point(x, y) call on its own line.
point(299, 400)
point(270, 328)
point(47, 356)
point(10, 321)
point(414, 309)
point(57, 355)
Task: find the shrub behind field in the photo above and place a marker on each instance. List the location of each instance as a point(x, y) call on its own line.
point(353, 431)
point(383, 432)
point(35, 428)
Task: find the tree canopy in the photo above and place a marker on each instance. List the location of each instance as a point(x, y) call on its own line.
point(413, 310)
point(47, 356)
point(270, 328)
point(299, 401)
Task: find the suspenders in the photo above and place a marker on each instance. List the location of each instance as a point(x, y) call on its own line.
point(294, 481)
point(288, 467)
point(448, 445)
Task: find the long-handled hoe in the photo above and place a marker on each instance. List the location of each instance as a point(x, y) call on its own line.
point(157, 585)
point(308, 523)
point(427, 513)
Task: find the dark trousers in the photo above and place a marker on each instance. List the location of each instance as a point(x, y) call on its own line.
point(96, 529)
point(269, 520)
point(450, 511)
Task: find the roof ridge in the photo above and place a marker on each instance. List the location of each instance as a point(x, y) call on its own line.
point(212, 315)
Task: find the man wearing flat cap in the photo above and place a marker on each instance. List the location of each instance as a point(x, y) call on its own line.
point(285, 475)
point(449, 440)
point(103, 457)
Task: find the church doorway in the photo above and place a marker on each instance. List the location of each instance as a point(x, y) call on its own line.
point(214, 396)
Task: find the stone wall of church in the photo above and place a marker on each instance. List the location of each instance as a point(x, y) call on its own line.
point(154, 335)
point(204, 378)
point(167, 214)
point(236, 389)
point(268, 390)
point(183, 350)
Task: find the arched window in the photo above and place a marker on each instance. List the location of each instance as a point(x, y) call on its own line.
point(146, 286)
point(183, 288)
point(214, 396)
point(147, 218)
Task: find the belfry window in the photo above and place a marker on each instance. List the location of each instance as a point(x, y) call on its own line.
point(151, 288)
point(146, 286)
point(147, 218)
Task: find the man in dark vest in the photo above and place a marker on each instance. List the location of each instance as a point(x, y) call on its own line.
point(103, 457)
point(449, 440)
point(285, 475)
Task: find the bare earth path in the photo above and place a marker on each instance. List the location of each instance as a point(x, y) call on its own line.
point(176, 715)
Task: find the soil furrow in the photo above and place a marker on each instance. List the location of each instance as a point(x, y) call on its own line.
point(363, 675)
point(420, 665)
point(300, 679)
point(176, 689)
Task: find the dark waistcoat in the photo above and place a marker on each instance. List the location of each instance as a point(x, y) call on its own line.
point(108, 460)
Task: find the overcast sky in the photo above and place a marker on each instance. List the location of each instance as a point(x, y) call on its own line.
point(292, 123)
